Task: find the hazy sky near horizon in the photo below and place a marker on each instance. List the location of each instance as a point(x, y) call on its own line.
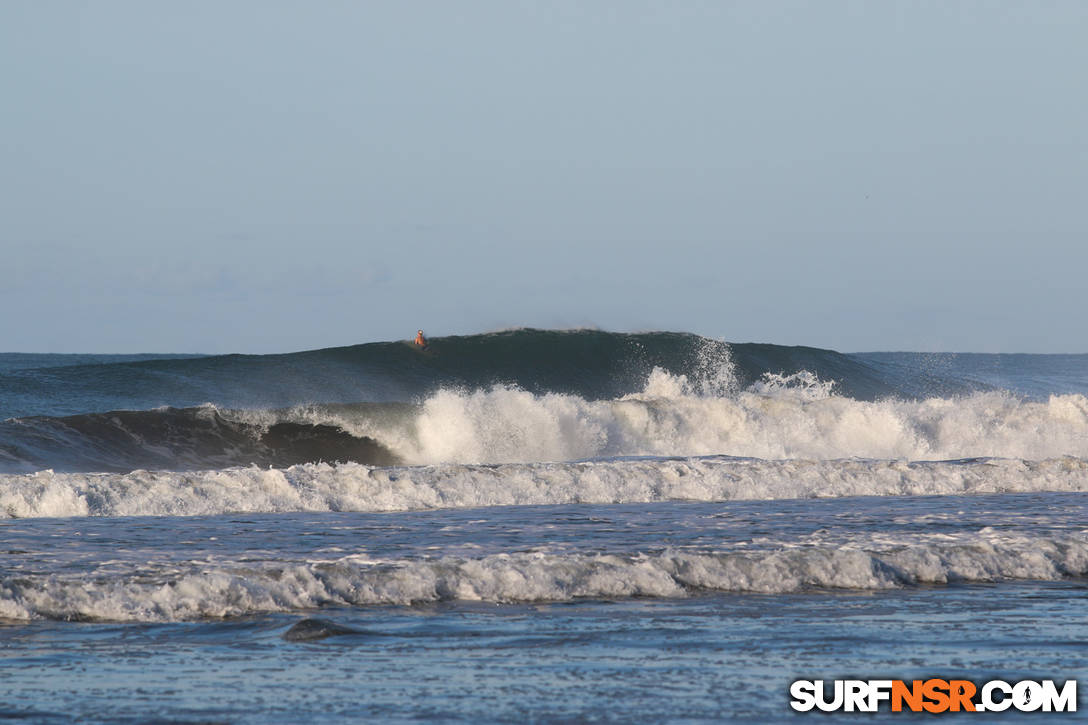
point(271, 176)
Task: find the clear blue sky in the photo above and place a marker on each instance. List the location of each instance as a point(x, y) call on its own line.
point(272, 176)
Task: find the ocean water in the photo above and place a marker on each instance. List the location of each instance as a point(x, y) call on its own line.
point(533, 525)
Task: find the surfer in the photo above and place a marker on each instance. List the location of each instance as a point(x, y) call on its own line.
point(421, 341)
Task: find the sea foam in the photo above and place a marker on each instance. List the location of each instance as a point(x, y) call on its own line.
point(780, 417)
point(223, 590)
point(776, 417)
point(355, 487)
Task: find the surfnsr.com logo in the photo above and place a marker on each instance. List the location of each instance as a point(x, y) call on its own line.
point(933, 695)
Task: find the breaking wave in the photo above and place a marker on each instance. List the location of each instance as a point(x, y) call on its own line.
point(531, 396)
point(354, 487)
point(590, 364)
point(772, 420)
point(215, 591)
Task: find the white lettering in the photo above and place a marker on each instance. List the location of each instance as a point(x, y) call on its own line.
point(854, 696)
point(988, 702)
point(1065, 701)
point(1027, 696)
point(993, 696)
point(879, 690)
point(821, 701)
point(804, 695)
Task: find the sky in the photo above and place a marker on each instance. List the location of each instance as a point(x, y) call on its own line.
point(266, 176)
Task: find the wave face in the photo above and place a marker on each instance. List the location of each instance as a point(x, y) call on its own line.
point(536, 396)
point(176, 439)
point(589, 364)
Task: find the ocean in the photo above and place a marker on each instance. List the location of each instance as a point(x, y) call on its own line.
point(534, 525)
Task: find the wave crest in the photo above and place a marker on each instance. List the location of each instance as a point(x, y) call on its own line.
point(780, 417)
point(708, 409)
point(796, 417)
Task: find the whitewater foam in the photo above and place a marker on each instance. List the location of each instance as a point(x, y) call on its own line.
point(214, 591)
point(795, 416)
point(355, 487)
point(703, 412)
